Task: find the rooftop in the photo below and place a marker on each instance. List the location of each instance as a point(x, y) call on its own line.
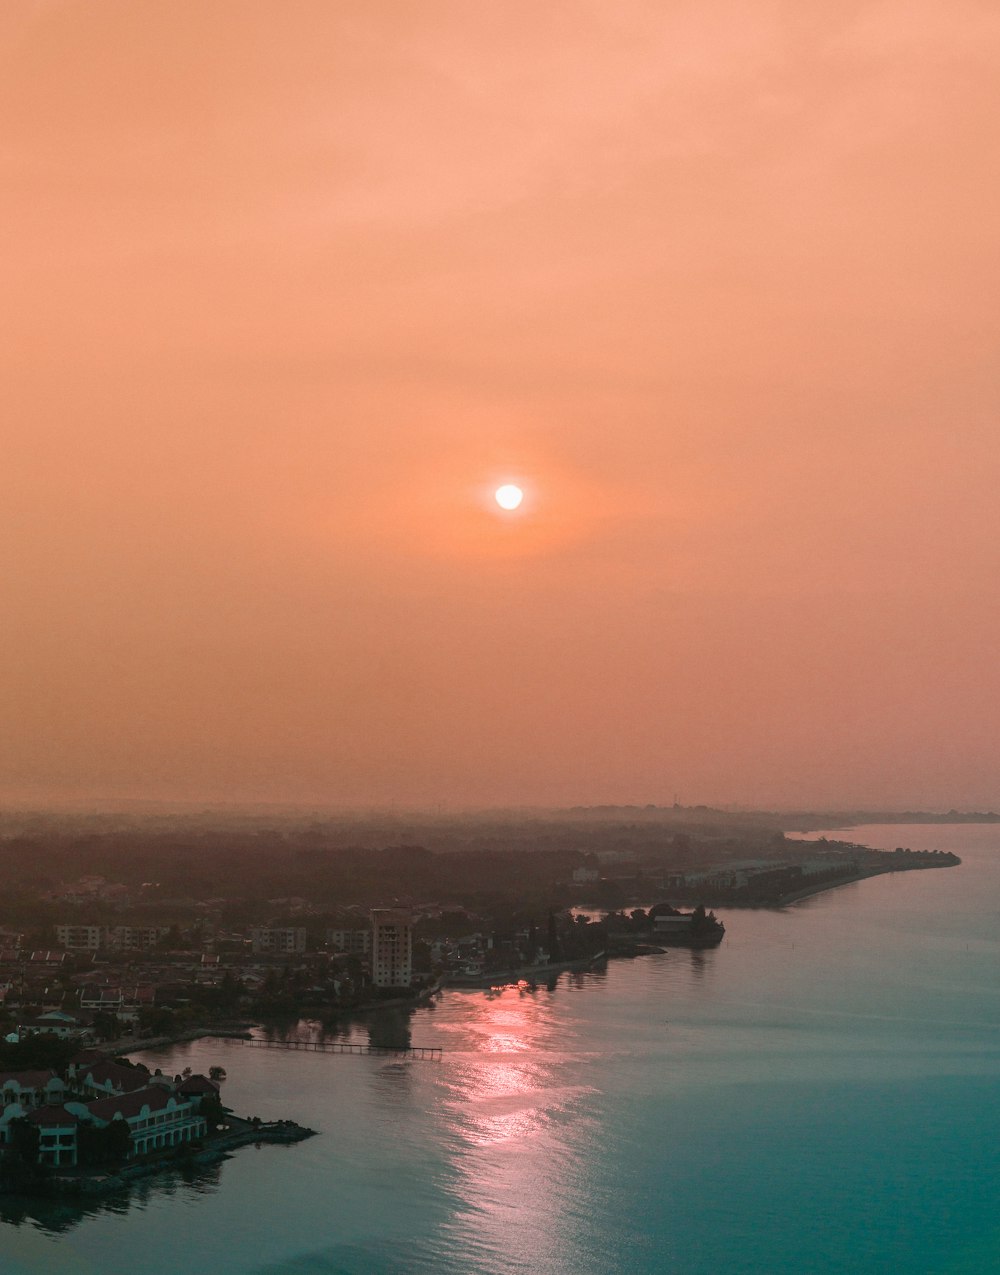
point(52, 1116)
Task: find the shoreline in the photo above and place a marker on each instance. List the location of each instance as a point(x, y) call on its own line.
point(242, 1133)
point(865, 875)
point(481, 981)
point(244, 1029)
point(134, 1045)
point(807, 891)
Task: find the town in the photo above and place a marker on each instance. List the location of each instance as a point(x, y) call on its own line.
point(178, 929)
point(183, 922)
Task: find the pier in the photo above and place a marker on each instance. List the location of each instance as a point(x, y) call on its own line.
point(427, 1052)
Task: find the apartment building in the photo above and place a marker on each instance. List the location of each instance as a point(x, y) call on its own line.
point(392, 947)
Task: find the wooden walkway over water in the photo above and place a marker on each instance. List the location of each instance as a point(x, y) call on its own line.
point(346, 1047)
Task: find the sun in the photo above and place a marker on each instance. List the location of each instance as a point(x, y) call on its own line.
point(508, 496)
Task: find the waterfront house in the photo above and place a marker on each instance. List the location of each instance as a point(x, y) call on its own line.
point(107, 1079)
point(156, 1118)
point(672, 926)
point(24, 1092)
point(197, 1087)
point(29, 1089)
point(57, 1135)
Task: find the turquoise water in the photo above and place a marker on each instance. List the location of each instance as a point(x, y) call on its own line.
point(817, 1095)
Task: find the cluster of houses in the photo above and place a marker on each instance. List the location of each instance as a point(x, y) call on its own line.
point(475, 954)
point(158, 1112)
point(86, 990)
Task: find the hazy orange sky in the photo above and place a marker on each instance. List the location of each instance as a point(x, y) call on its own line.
point(290, 286)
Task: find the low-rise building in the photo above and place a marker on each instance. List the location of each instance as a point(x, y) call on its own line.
point(29, 1089)
point(125, 1002)
point(353, 942)
point(57, 1135)
point(290, 939)
point(156, 1117)
point(109, 1079)
point(56, 1022)
point(135, 938)
point(115, 938)
point(159, 1112)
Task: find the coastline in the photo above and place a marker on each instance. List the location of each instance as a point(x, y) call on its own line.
point(864, 875)
point(525, 972)
point(244, 1029)
point(808, 891)
point(241, 1133)
point(133, 1045)
point(794, 896)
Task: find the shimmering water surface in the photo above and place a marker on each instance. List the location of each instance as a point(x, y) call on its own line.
point(819, 1094)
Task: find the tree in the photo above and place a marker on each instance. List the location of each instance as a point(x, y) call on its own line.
point(106, 1025)
point(156, 1021)
point(553, 936)
point(25, 1139)
point(212, 1109)
point(118, 1140)
point(98, 1145)
point(230, 990)
point(36, 1053)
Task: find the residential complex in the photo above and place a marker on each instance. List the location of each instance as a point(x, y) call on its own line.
point(158, 1112)
point(353, 942)
point(289, 940)
point(116, 938)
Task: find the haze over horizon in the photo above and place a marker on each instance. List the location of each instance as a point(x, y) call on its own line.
point(292, 288)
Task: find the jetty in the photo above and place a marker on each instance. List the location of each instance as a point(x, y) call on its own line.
point(424, 1052)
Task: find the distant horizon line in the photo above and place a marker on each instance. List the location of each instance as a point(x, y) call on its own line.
point(126, 805)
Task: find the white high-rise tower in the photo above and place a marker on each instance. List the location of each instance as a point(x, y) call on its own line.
point(392, 947)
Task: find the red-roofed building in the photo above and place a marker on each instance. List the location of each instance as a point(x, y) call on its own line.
point(197, 1085)
point(55, 1022)
point(123, 1001)
point(30, 1088)
point(108, 1078)
point(57, 1127)
point(156, 1117)
point(24, 1092)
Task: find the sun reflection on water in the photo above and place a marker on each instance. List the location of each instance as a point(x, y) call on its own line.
point(518, 1128)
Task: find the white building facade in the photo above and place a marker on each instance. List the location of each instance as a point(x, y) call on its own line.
point(392, 947)
point(278, 942)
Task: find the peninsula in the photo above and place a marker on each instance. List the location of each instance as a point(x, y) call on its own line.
point(119, 927)
point(78, 1122)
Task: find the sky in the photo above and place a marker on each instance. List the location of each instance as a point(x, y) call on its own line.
point(291, 286)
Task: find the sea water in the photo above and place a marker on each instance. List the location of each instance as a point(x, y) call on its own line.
point(819, 1094)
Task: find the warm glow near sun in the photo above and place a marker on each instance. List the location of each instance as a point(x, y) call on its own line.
point(508, 496)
